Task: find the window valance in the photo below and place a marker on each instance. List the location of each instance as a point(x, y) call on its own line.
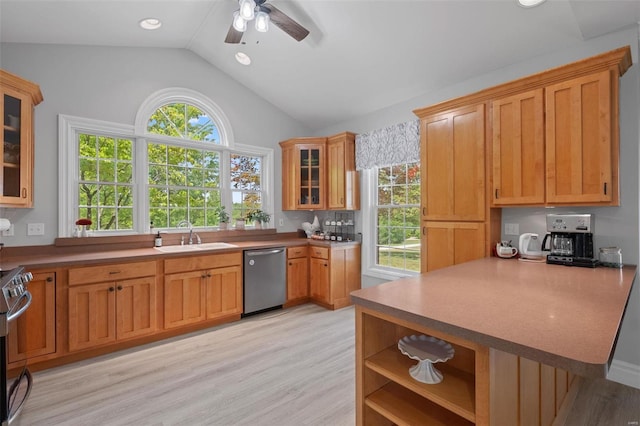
point(395, 144)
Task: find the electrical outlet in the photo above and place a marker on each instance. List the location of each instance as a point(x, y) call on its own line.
point(35, 229)
point(8, 232)
point(511, 229)
point(280, 222)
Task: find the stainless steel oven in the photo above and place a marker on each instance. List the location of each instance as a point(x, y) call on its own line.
point(15, 300)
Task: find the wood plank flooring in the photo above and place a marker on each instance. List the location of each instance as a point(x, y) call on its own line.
point(290, 367)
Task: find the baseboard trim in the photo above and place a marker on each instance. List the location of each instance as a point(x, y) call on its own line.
point(625, 373)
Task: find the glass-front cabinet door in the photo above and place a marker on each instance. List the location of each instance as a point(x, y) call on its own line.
point(16, 109)
point(311, 175)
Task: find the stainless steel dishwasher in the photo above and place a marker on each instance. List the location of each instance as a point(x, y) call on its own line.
point(265, 279)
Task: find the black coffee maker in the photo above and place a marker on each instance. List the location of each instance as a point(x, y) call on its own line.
point(570, 240)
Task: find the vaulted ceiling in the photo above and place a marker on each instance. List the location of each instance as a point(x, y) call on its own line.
point(360, 56)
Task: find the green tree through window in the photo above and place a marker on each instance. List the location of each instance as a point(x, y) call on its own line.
point(105, 181)
point(398, 217)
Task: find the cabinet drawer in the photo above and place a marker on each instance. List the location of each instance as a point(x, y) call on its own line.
point(192, 263)
point(113, 272)
point(320, 252)
point(293, 252)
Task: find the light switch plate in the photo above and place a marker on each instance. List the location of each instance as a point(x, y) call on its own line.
point(35, 229)
point(511, 229)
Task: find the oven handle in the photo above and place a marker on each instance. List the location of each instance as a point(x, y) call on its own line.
point(13, 315)
point(14, 411)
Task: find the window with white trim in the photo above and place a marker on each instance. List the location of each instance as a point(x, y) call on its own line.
point(397, 217)
point(178, 163)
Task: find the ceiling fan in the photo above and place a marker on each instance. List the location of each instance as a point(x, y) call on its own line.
point(264, 13)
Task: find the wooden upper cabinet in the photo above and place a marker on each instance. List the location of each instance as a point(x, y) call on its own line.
point(343, 186)
point(303, 171)
point(18, 97)
point(518, 149)
point(453, 162)
point(581, 140)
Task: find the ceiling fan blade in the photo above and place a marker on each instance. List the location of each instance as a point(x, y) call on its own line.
point(286, 24)
point(233, 36)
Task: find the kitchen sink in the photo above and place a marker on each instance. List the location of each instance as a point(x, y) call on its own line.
point(194, 247)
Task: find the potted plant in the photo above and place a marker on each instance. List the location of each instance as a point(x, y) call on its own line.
point(223, 216)
point(258, 217)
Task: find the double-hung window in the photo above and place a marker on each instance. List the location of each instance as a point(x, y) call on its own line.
point(177, 164)
point(397, 217)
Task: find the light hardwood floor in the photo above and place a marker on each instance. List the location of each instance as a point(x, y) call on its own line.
point(290, 367)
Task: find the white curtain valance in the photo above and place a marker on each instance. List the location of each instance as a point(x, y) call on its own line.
point(395, 144)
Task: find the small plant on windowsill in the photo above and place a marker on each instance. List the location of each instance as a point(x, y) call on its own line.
point(258, 217)
point(82, 224)
point(223, 216)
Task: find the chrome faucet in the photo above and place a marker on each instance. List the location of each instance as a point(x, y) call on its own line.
point(191, 233)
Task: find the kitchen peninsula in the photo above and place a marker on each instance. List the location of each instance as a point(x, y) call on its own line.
point(522, 333)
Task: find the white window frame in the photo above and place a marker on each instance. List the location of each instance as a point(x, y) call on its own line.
point(68, 163)
point(370, 234)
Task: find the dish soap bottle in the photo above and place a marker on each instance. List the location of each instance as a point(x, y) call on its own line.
point(158, 240)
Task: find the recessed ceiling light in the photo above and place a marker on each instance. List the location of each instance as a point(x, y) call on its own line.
point(243, 58)
point(530, 3)
point(150, 23)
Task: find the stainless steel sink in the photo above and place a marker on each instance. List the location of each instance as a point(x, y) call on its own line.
point(194, 247)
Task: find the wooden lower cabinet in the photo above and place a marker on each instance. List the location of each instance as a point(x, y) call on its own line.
point(202, 288)
point(297, 275)
point(450, 243)
point(33, 334)
point(334, 274)
point(106, 312)
point(481, 386)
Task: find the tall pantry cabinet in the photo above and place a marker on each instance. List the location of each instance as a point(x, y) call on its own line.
point(453, 186)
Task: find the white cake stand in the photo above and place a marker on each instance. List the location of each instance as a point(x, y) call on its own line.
point(427, 350)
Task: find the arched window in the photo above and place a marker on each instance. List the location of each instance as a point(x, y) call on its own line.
point(178, 164)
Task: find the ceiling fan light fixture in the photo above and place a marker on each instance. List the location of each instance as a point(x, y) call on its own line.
point(243, 58)
point(247, 9)
point(238, 22)
point(530, 3)
point(262, 21)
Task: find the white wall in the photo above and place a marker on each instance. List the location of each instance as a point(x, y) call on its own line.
point(615, 226)
point(110, 84)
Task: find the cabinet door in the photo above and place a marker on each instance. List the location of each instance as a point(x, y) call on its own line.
point(224, 291)
point(344, 276)
point(518, 149)
point(135, 307)
point(184, 298)
point(289, 167)
point(450, 243)
point(92, 311)
point(17, 149)
point(297, 278)
point(34, 332)
point(310, 183)
point(343, 188)
point(579, 146)
point(452, 152)
point(319, 281)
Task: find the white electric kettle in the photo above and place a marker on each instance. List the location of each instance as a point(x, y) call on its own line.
point(530, 247)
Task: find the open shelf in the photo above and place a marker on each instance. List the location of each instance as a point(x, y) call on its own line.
point(403, 407)
point(456, 392)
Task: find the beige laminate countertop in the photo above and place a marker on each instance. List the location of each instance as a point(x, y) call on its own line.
point(95, 256)
point(566, 317)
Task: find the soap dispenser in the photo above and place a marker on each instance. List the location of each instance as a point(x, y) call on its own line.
point(158, 241)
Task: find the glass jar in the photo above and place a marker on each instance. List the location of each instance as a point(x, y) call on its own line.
point(611, 257)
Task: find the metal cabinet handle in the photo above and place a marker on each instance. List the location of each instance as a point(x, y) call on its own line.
point(49, 279)
point(605, 188)
point(497, 194)
point(24, 192)
point(111, 289)
point(119, 287)
point(113, 272)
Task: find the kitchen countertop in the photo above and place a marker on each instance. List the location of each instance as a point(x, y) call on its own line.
point(565, 317)
point(93, 256)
